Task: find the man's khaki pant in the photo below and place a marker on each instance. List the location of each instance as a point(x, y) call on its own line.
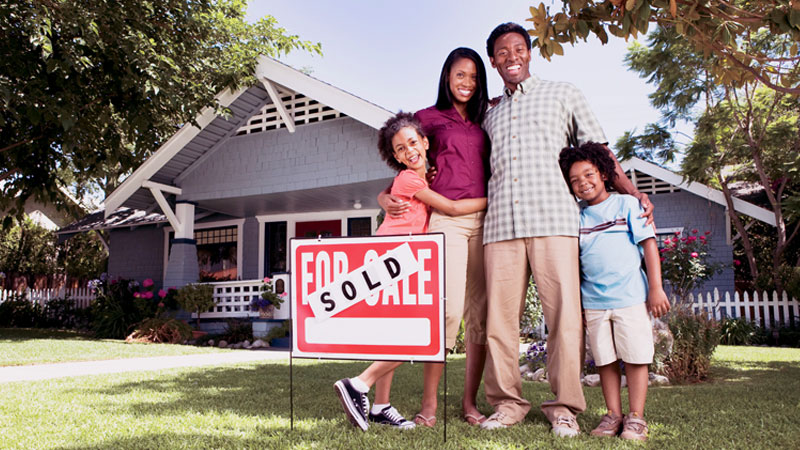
point(553, 260)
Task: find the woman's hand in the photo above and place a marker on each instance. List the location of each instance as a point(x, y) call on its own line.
point(394, 206)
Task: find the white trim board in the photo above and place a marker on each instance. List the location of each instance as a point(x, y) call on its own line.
point(238, 223)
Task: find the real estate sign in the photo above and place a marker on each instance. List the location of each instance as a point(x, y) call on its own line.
point(374, 298)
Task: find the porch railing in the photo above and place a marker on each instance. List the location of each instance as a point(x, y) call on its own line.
point(233, 298)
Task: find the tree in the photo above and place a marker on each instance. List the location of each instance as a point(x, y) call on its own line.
point(90, 88)
point(29, 250)
point(723, 29)
point(746, 134)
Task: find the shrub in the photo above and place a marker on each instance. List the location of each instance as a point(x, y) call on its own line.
point(237, 330)
point(461, 340)
point(536, 356)
point(696, 337)
point(161, 330)
point(281, 331)
point(532, 315)
point(685, 264)
point(20, 313)
point(63, 313)
point(196, 298)
point(118, 306)
point(737, 331)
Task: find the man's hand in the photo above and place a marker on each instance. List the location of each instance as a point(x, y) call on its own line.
point(394, 206)
point(647, 206)
point(657, 302)
point(430, 175)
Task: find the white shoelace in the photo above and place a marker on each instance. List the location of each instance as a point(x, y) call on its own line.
point(394, 415)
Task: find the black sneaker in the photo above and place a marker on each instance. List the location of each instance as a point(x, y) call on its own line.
point(390, 416)
point(355, 404)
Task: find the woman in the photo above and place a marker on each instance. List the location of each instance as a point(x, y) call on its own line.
point(459, 152)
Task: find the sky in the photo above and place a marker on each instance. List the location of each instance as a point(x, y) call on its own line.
point(391, 52)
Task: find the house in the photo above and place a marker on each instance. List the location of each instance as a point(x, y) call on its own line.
point(297, 157)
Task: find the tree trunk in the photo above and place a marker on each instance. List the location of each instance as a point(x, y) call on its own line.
point(737, 223)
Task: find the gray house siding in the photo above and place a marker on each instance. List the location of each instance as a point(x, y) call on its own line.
point(328, 153)
point(250, 249)
point(137, 253)
point(684, 209)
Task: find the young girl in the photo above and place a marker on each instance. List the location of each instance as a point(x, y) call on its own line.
point(459, 151)
point(404, 147)
point(615, 293)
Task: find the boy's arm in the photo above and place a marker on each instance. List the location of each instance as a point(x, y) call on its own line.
point(393, 205)
point(450, 207)
point(657, 301)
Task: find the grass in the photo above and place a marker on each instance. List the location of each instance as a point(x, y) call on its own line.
point(752, 401)
point(19, 346)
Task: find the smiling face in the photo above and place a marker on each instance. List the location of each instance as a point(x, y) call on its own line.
point(463, 80)
point(587, 182)
point(512, 59)
point(410, 149)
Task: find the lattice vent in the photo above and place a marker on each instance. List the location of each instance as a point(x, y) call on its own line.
point(303, 109)
point(650, 185)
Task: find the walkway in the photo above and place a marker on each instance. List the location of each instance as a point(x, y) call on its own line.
point(75, 369)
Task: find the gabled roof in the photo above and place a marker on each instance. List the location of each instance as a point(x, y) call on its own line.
point(698, 189)
point(191, 145)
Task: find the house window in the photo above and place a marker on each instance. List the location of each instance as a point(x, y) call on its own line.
point(359, 226)
point(216, 253)
point(275, 246)
point(321, 228)
point(663, 234)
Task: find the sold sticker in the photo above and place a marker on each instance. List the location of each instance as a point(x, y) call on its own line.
point(378, 297)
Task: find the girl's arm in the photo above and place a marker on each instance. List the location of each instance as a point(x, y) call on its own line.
point(657, 301)
point(450, 207)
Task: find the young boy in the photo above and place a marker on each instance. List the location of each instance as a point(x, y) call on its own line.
point(615, 293)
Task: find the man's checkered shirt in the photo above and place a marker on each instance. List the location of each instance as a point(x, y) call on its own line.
point(528, 196)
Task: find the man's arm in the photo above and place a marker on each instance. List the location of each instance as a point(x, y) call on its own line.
point(393, 205)
point(624, 186)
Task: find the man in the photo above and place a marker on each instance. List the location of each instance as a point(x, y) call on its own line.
point(532, 226)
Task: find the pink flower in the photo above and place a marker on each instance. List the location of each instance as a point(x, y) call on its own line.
point(677, 233)
point(267, 280)
point(283, 294)
point(694, 230)
point(147, 283)
point(663, 259)
point(160, 304)
point(137, 295)
point(736, 262)
point(708, 232)
point(664, 250)
point(683, 239)
point(148, 295)
point(694, 255)
point(162, 293)
point(667, 241)
point(702, 238)
point(691, 238)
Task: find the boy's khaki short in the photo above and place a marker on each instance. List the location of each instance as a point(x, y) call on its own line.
point(623, 333)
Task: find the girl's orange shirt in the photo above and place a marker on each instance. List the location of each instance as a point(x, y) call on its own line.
point(406, 184)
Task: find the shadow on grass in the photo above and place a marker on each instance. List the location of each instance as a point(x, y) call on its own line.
point(29, 334)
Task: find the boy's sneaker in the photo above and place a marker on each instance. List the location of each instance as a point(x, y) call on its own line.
point(390, 416)
point(355, 403)
point(610, 425)
point(566, 426)
point(634, 428)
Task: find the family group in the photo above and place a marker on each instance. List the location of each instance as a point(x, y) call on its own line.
point(502, 187)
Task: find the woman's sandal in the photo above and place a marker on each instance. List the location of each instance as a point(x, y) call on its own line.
point(421, 420)
point(474, 420)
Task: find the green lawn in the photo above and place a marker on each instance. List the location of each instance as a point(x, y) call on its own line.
point(33, 346)
point(753, 401)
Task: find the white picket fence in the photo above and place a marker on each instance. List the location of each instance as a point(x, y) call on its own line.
point(81, 296)
point(769, 310)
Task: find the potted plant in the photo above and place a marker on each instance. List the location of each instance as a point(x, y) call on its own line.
point(196, 298)
point(280, 336)
point(268, 301)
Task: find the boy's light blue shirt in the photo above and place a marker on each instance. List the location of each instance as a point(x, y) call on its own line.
point(611, 259)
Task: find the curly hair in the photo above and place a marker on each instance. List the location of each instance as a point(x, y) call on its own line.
point(595, 153)
point(387, 132)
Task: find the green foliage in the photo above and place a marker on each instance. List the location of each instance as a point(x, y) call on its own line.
point(83, 256)
point(158, 330)
point(461, 340)
point(685, 264)
point(62, 313)
point(196, 298)
point(28, 249)
point(281, 331)
point(119, 306)
point(237, 330)
point(90, 88)
point(20, 313)
point(737, 331)
point(731, 35)
point(268, 296)
point(532, 315)
point(696, 337)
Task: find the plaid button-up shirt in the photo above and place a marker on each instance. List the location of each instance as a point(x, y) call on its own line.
point(528, 196)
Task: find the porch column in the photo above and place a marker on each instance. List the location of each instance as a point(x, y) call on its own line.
point(182, 265)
